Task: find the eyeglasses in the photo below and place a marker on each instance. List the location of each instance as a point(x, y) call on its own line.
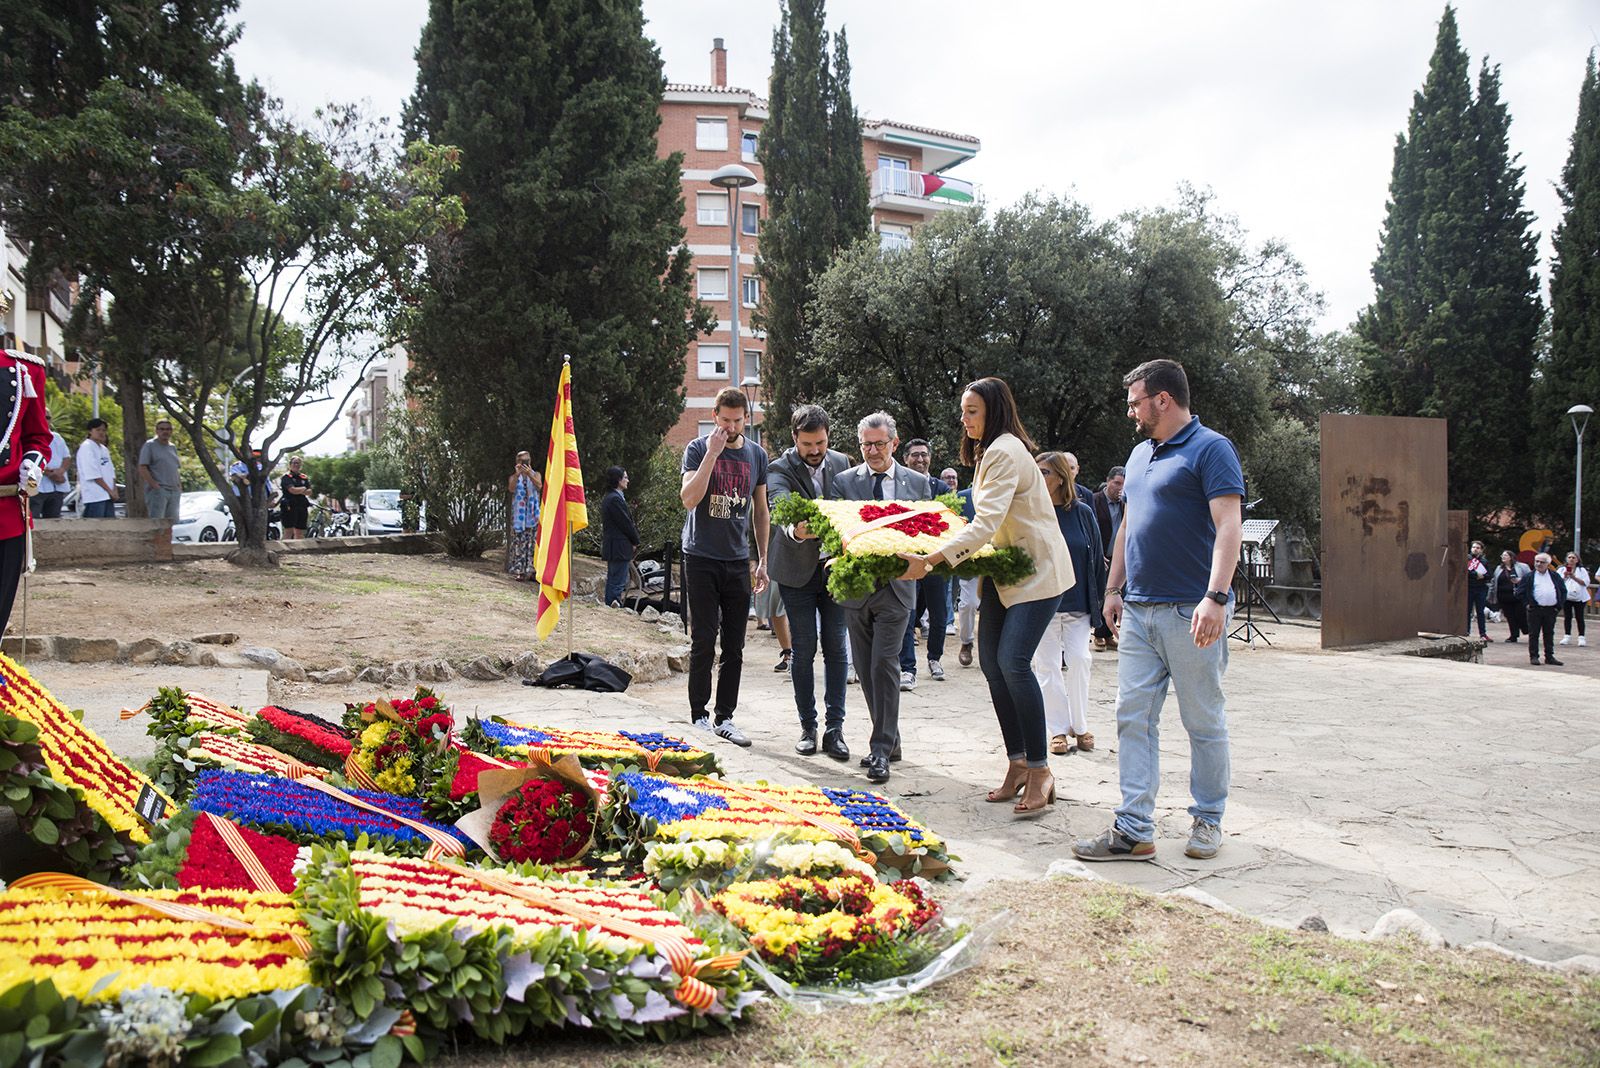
point(1134, 402)
point(875, 445)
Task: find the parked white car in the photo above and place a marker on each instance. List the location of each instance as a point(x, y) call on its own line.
point(203, 517)
point(380, 511)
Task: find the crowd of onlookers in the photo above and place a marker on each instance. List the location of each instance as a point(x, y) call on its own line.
point(1529, 595)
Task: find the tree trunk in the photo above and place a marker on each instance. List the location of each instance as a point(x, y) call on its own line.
point(252, 537)
point(129, 385)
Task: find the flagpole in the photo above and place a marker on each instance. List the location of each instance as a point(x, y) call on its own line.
point(572, 602)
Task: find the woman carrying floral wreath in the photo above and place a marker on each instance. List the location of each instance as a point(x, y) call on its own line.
point(1011, 506)
point(524, 486)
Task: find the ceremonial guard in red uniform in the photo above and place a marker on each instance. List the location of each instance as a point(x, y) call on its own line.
point(22, 449)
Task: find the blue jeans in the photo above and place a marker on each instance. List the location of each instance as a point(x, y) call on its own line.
point(1155, 649)
point(616, 579)
point(1477, 604)
point(933, 593)
point(1007, 638)
point(105, 509)
point(803, 604)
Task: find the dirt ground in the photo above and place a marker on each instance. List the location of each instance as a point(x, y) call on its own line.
point(1090, 973)
point(323, 610)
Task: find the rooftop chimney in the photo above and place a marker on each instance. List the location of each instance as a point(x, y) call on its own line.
point(719, 62)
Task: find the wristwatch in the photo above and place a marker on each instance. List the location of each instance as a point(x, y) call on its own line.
point(1118, 590)
point(1219, 596)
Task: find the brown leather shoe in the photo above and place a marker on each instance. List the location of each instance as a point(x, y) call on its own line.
point(964, 657)
point(1060, 745)
point(1016, 778)
point(1085, 741)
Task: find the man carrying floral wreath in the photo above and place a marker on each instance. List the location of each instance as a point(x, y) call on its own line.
point(809, 469)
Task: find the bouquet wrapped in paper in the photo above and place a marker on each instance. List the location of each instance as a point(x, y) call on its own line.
point(862, 540)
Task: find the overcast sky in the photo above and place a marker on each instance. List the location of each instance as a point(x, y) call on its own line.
point(1287, 112)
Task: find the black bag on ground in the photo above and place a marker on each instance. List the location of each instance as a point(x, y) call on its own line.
point(584, 671)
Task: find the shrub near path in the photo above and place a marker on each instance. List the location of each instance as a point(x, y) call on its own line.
point(1091, 973)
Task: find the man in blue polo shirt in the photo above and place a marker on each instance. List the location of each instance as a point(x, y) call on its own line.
point(1168, 601)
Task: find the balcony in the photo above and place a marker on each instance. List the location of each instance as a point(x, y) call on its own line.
point(919, 192)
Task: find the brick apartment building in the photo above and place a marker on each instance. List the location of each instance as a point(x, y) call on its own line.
point(716, 124)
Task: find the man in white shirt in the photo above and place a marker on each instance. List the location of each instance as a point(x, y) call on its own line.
point(1543, 591)
point(97, 474)
point(54, 483)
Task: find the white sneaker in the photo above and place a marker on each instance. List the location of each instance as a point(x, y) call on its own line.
point(850, 679)
point(936, 670)
point(908, 680)
point(1582, 640)
point(1566, 639)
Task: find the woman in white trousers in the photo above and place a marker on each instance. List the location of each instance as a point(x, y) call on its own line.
point(1066, 639)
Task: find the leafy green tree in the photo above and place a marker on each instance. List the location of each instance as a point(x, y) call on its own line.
point(810, 153)
point(1570, 373)
point(328, 223)
point(1452, 329)
point(73, 76)
point(569, 243)
point(342, 477)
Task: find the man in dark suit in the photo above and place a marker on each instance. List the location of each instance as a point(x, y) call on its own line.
point(1108, 506)
point(809, 469)
point(877, 622)
point(619, 538)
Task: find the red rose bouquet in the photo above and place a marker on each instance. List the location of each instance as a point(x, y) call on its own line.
point(544, 821)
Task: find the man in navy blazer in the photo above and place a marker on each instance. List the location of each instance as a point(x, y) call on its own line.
point(877, 622)
point(809, 469)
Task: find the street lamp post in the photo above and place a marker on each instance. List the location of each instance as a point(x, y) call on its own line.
point(751, 385)
point(1580, 414)
point(734, 177)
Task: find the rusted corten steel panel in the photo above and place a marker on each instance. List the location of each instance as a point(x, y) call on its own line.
point(1384, 529)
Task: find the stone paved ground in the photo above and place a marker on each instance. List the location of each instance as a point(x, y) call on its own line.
point(1362, 782)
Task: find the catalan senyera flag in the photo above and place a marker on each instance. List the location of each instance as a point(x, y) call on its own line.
point(562, 513)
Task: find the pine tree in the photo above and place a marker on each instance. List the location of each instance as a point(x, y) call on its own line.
point(571, 225)
point(1571, 372)
point(74, 74)
point(1452, 327)
point(810, 152)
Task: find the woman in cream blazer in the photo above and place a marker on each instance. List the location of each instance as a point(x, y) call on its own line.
point(1011, 506)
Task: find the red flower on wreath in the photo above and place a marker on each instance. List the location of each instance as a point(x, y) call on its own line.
point(920, 523)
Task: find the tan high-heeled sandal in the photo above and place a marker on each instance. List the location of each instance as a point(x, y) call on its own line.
point(1016, 777)
point(1085, 741)
point(1037, 795)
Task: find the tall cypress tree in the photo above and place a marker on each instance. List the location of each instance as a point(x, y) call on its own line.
point(571, 225)
point(1571, 371)
point(810, 152)
point(1452, 327)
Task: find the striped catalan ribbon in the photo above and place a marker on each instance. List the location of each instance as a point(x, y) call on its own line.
point(838, 830)
point(174, 909)
point(251, 863)
point(444, 843)
point(358, 774)
point(692, 991)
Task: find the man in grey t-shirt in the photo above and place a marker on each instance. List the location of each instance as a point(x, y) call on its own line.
point(725, 494)
point(158, 469)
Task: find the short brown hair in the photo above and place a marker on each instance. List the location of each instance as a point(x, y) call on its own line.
point(731, 397)
point(999, 417)
point(1161, 376)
